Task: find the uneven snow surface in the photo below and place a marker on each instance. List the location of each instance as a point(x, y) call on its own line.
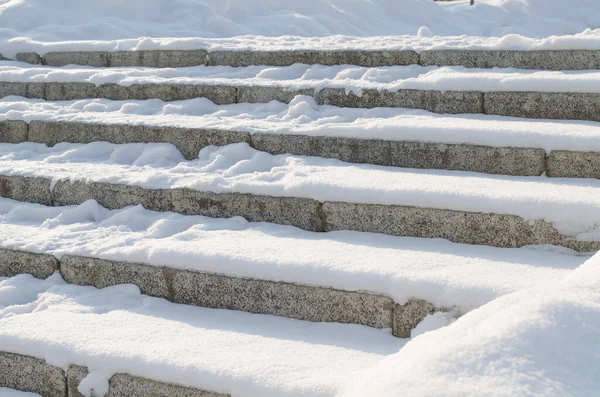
point(444, 273)
point(118, 330)
point(37, 25)
point(304, 117)
point(299, 76)
point(572, 205)
point(4, 392)
point(543, 341)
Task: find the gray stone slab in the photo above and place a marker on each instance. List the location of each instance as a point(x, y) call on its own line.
point(87, 58)
point(28, 90)
point(408, 154)
point(408, 316)
point(293, 211)
point(33, 190)
point(167, 92)
point(311, 57)
point(13, 262)
point(496, 230)
point(539, 60)
point(189, 141)
point(159, 58)
point(32, 375)
point(13, 131)
point(125, 385)
point(453, 102)
point(296, 301)
point(102, 273)
point(544, 105)
point(264, 94)
point(218, 291)
point(29, 57)
point(570, 164)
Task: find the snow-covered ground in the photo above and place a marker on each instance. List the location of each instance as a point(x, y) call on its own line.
point(444, 273)
point(36, 25)
point(572, 205)
point(303, 116)
point(299, 76)
point(4, 392)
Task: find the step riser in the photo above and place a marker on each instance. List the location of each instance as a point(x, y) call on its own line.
point(406, 154)
point(538, 105)
point(538, 60)
point(217, 291)
point(497, 230)
point(33, 375)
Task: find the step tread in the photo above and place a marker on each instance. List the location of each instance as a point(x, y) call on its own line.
point(303, 116)
point(301, 76)
point(443, 273)
point(216, 350)
point(572, 205)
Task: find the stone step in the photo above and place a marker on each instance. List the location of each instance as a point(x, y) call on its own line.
point(219, 291)
point(480, 228)
point(407, 154)
point(537, 105)
point(187, 350)
point(537, 59)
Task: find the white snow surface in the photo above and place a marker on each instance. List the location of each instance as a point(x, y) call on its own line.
point(4, 392)
point(543, 341)
point(301, 76)
point(572, 205)
point(69, 25)
point(303, 116)
point(444, 273)
point(118, 330)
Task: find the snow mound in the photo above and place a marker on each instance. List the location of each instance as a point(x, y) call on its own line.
point(539, 342)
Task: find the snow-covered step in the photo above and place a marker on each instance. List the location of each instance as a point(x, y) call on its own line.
point(349, 277)
point(47, 326)
point(236, 57)
point(383, 136)
point(508, 92)
point(308, 192)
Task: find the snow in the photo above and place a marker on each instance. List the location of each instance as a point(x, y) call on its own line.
point(300, 76)
point(4, 392)
point(572, 205)
point(543, 341)
point(118, 330)
point(444, 273)
point(304, 117)
point(68, 25)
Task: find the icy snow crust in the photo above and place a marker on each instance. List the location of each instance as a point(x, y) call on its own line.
point(304, 117)
point(69, 25)
point(4, 392)
point(444, 273)
point(572, 205)
point(299, 76)
point(542, 341)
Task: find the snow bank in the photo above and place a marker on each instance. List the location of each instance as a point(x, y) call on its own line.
point(299, 76)
point(572, 205)
point(441, 272)
point(118, 330)
point(539, 342)
point(304, 117)
point(36, 25)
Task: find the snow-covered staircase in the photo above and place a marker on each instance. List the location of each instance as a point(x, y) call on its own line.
point(339, 246)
